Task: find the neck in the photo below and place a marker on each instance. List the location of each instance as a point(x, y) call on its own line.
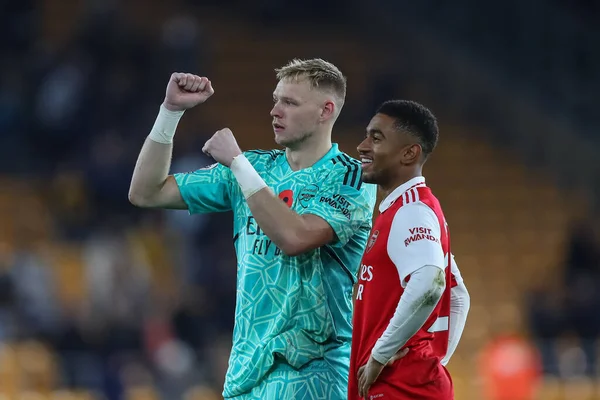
point(308, 152)
point(401, 178)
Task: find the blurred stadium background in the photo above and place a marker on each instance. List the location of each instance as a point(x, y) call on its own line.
point(101, 300)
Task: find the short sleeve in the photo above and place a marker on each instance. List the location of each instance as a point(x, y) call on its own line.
point(207, 189)
point(345, 207)
point(414, 240)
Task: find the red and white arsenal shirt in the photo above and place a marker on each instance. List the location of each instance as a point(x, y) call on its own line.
point(410, 233)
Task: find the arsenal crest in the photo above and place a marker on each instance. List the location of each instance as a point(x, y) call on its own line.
point(372, 240)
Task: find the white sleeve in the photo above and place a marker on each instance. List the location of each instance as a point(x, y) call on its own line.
point(415, 248)
point(460, 301)
point(455, 271)
point(420, 297)
point(414, 240)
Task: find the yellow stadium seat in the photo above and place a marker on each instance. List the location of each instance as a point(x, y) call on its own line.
point(68, 264)
point(10, 376)
point(550, 389)
point(142, 393)
point(31, 395)
point(38, 365)
point(201, 393)
point(72, 395)
point(579, 389)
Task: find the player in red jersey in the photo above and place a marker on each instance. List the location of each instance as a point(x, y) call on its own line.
point(411, 304)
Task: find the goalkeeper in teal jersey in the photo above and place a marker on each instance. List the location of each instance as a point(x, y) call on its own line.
point(302, 218)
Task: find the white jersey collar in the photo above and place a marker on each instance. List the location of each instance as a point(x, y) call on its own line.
point(399, 191)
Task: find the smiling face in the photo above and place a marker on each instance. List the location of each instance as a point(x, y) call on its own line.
point(386, 150)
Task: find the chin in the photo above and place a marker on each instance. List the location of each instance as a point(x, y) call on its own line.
point(281, 140)
point(286, 141)
point(368, 178)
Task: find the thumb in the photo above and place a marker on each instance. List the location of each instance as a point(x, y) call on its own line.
point(397, 356)
point(209, 89)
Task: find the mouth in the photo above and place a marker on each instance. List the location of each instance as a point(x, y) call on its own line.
point(278, 127)
point(365, 161)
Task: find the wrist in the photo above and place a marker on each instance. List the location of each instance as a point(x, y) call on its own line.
point(165, 125)
point(378, 358)
point(249, 180)
point(172, 107)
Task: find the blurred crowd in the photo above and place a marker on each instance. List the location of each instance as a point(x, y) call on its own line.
point(563, 317)
point(74, 118)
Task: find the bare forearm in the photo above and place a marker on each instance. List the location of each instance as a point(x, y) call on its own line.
point(150, 184)
point(294, 234)
point(283, 226)
point(150, 173)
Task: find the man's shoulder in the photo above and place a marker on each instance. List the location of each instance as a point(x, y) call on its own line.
point(413, 213)
point(349, 172)
point(427, 198)
point(342, 159)
point(346, 170)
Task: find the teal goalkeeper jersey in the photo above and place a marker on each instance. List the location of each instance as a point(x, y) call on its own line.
point(293, 308)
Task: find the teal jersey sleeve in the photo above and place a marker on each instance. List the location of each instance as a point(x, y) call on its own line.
point(207, 190)
point(344, 202)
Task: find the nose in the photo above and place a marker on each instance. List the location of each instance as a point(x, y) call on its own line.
point(276, 111)
point(363, 147)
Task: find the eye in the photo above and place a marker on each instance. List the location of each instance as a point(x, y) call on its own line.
point(288, 102)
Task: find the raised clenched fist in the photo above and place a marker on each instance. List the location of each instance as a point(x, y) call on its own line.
point(185, 91)
point(223, 147)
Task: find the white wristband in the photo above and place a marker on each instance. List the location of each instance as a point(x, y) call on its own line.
point(165, 125)
point(249, 180)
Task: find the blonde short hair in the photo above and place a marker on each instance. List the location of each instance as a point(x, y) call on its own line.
point(320, 74)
